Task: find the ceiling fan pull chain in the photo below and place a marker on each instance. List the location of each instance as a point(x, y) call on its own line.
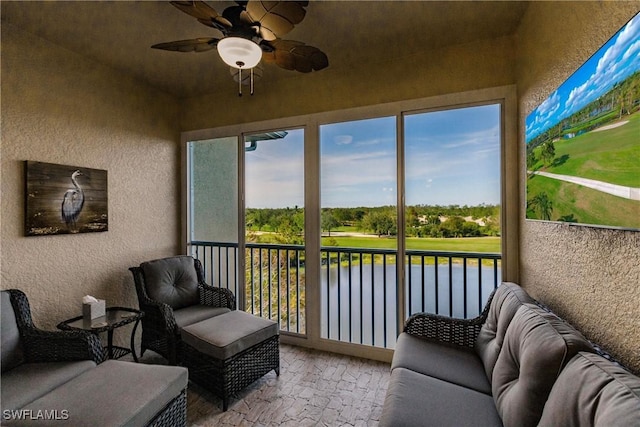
point(239, 81)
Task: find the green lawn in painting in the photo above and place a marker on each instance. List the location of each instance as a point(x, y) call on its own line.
point(575, 203)
point(609, 155)
point(605, 155)
point(612, 156)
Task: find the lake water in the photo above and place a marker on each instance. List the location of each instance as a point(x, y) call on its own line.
point(360, 301)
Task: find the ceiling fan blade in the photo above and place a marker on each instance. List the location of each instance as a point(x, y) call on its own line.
point(276, 18)
point(203, 13)
point(295, 55)
point(192, 45)
point(237, 16)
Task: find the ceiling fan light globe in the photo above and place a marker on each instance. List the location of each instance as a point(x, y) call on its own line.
point(237, 52)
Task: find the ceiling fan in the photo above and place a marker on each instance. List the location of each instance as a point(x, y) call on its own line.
point(251, 32)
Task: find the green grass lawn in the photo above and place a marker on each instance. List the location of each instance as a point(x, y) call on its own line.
point(464, 244)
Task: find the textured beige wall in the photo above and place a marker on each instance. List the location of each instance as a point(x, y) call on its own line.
point(477, 65)
point(59, 107)
point(589, 276)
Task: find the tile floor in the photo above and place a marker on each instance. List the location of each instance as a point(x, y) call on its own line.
point(314, 388)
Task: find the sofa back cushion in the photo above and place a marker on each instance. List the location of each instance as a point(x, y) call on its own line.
point(536, 347)
point(592, 391)
point(506, 301)
point(172, 281)
point(11, 346)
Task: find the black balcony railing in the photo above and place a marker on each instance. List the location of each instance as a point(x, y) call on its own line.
point(275, 284)
point(358, 301)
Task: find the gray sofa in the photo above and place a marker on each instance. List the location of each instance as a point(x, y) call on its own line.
point(59, 378)
point(517, 364)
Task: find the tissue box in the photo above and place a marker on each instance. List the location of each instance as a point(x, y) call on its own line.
point(93, 310)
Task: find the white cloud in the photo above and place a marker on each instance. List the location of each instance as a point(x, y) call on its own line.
point(368, 142)
point(611, 67)
point(549, 104)
point(343, 139)
point(477, 138)
point(634, 49)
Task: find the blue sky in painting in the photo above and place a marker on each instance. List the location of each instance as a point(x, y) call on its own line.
point(613, 62)
point(451, 157)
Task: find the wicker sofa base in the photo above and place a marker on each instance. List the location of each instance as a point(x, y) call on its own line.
point(226, 377)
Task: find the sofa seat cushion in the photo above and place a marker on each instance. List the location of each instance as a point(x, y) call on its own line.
point(506, 301)
point(592, 391)
point(536, 347)
point(30, 381)
point(172, 281)
point(196, 313)
point(414, 399)
point(227, 335)
point(116, 393)
point(449, 363)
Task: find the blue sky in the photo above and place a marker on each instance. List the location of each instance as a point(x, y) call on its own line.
point(613, 62)
point(452, 157)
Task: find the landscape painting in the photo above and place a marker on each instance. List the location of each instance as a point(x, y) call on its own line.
point(61, 199)
point(583, 141)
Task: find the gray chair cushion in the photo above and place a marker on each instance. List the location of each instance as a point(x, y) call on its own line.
point(195, 313)
point(172, 281)
point(592, 391)
point(115, 393)
point(11, 346)
point(506, 301)
point(418, 400)
point(228, 334)
point(536, 347)
point(452, 364)
point(28, 382)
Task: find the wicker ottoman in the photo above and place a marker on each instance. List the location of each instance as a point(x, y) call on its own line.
point(226, 353)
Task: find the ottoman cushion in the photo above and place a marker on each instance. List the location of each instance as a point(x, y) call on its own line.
point(228, 334)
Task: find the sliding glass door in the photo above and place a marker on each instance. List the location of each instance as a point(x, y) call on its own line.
point(452, 209)
point(274, 227)
point(340, 227)
point(359, 231)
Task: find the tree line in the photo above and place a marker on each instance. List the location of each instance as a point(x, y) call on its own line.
point(420, 221)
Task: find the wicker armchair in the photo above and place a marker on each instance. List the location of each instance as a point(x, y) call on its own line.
point(173, 294)
point(50, 346)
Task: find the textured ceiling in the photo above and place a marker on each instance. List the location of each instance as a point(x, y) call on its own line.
point(120, 33)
